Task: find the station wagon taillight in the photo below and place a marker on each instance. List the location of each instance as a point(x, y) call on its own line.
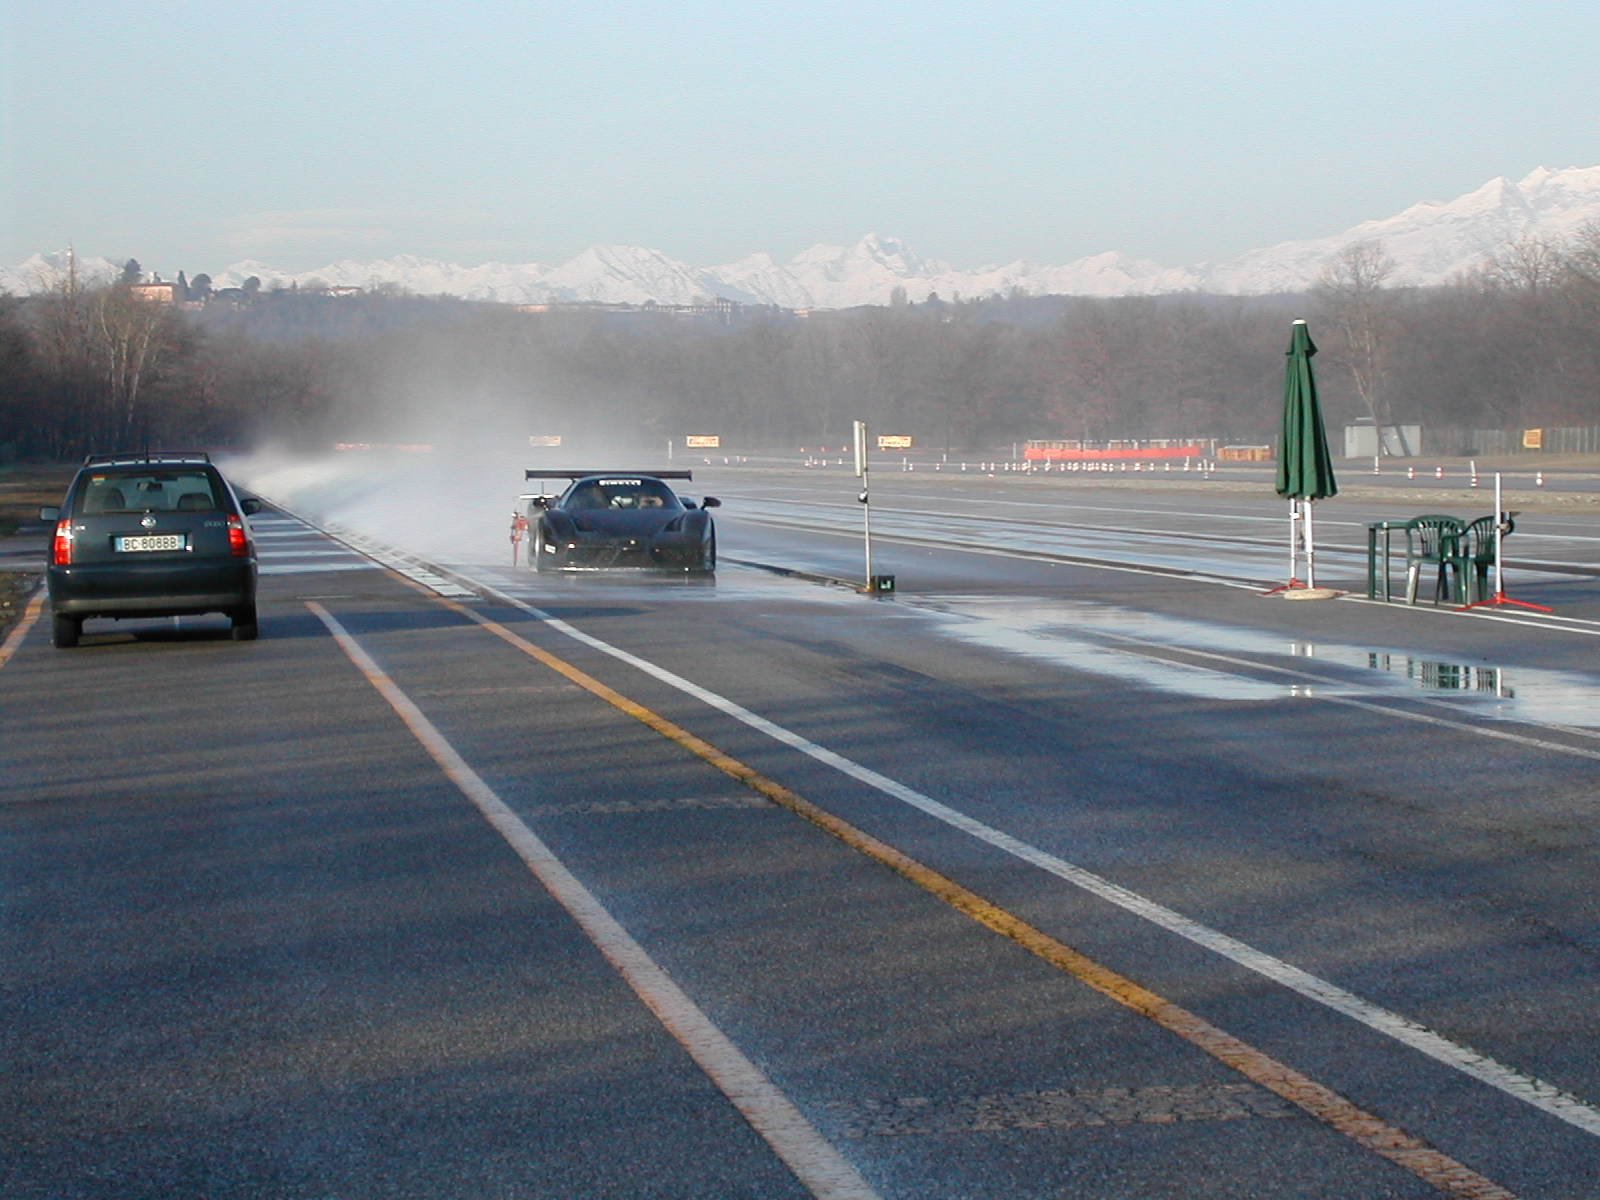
point(61, 547)
point(238, 541)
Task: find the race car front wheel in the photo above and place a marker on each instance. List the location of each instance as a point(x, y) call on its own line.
point(708, 556)
point(543, 558)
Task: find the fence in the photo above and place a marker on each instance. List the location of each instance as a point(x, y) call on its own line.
point(1579, 439)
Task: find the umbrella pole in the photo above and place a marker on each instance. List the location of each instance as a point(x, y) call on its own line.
point(1294, 551)
point(1311, 549)
point(1294, 543)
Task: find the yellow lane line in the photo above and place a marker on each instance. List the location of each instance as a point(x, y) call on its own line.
point(826, 1174)
point(29, 616)
point(1441, 1171)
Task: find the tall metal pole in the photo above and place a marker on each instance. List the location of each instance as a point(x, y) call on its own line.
point(865, 497)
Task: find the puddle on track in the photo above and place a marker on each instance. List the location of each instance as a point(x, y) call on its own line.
point(1107, 640)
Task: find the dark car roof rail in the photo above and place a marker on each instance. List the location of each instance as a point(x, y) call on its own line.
point(542, 474)
point(152, 456)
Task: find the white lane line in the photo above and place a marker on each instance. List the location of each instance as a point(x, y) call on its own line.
point(1555, 621)
point(369, 551)
point(814, 1161)
point(891, 508)
point(320, 567)
point(1538, 1093)
point(1132, 567)
point(305, 550)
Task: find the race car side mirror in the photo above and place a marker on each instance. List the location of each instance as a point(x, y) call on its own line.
point(541, 502)
point(51, 513)
point(711, 502)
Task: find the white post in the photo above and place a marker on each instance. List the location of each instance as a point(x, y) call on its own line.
point(1499, 526)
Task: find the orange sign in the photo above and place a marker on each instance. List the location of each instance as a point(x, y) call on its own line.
point(702, 441)
point(894, 441)
point(1533, 439)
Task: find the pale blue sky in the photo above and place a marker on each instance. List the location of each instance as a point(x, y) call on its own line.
point(194, 134)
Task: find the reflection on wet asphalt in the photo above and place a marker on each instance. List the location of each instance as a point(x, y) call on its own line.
point(1115, 642)
point(1110, 640)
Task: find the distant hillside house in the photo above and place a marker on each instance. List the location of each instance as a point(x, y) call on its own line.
point(156, 293)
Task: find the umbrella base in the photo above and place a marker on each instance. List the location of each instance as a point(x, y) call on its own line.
point(1292, 585)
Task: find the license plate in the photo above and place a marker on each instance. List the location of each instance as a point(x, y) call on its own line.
point(152, 541)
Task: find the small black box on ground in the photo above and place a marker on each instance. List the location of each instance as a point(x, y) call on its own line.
point(881, 584)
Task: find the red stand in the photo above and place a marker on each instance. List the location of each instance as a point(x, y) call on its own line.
point(1500, 600)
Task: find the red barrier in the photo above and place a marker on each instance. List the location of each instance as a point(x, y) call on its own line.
point(1053, 455)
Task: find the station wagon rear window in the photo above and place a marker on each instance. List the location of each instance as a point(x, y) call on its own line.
point(147, 491)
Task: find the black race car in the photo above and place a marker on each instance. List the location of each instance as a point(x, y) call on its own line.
point(611, 519)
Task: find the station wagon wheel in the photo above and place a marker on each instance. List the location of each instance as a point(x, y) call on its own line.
point(65, 631)
point(244, 624)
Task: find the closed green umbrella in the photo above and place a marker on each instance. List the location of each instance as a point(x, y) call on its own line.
point(1305, 468)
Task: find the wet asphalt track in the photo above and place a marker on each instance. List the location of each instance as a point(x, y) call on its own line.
point(258, 944)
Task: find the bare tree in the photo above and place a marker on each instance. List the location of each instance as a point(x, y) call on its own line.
point(1352, 297)
point(134, 338)
point(1527, 264)
point(63, 333)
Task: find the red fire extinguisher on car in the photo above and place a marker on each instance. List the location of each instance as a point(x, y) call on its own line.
point(519, 530)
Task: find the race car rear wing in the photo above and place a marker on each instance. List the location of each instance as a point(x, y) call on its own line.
point(543, 474)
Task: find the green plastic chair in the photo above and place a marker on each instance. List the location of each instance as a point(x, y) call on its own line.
point(1435, 540)
point(1477, 550)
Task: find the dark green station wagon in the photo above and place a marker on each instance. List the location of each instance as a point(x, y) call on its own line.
point(147, 535)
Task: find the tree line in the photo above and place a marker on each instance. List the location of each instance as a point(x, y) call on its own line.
point(90, 366)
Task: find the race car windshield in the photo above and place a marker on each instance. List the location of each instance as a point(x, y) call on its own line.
point(614, 494)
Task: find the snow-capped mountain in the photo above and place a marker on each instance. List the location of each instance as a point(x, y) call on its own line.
point(1430, 242)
